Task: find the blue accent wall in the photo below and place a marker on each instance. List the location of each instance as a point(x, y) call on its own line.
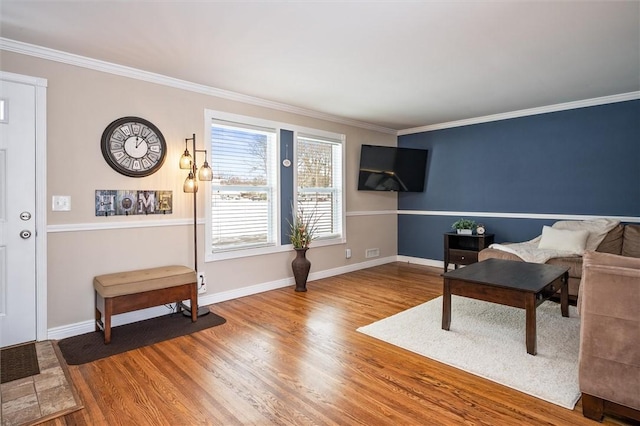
point(583, 161)
point(286, 184)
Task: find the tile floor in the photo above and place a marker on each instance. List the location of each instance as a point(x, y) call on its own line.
point(34, 397)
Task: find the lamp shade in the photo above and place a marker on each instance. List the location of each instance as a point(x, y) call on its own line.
point(190, 184)
point(205, 173)
point(186, 160)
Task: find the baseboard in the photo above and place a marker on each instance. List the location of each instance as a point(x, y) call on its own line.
point(421, 261)
point(62, 332)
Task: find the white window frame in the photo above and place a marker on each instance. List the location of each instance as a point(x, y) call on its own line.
point(281, 246)
point(340, 238)
point(210, 256)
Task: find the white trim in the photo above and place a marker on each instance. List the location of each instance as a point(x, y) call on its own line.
point(260, 251)
point(553, 216)
point(124, 71)
point(421, 261)
point(215, 117)
point(88, 326)
point(25, 79)
point(243, 252)
point(525, 112)
point(336, 139)
point(372, 213)
point(41, 209)
point(101, 226)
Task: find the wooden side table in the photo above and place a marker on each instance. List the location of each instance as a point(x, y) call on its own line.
point(462, 249)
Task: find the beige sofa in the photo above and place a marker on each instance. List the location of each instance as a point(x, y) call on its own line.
point(609, 362)
point(622, 240)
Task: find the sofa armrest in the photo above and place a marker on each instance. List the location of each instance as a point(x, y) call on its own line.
point(490, 253)
point(609, 364)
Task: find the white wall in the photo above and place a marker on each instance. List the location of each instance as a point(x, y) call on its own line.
point(80, 104)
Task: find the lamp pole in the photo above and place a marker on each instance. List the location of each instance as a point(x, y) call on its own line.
point(195, 209)
point(191, 185)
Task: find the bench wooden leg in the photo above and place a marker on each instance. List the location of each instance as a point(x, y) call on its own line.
point(194, 303)
point(98, 319)
point(108, 310)
point(98, 314)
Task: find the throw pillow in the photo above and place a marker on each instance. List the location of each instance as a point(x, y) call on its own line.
point(563, 240)
point(598, 229)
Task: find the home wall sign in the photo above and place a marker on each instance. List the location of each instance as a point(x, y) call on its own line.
point(113, 202)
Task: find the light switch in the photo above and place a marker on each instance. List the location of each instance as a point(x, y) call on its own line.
point(61, 203)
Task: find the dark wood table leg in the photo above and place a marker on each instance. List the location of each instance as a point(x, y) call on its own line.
point(530, 312)
point(564, 295)
point(446, 305)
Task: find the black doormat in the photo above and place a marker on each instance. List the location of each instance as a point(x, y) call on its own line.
point(18, 362)
point(90, 346)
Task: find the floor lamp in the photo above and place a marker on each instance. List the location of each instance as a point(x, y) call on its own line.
point(191, 186)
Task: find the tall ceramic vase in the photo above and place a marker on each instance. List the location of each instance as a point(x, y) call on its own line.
point(301, 267)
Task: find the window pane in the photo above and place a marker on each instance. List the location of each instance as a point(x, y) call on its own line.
point(314, 164)
point(240, 156)
point(243, 198)
point(320, 182)
point(323, 204)
point(240, 219)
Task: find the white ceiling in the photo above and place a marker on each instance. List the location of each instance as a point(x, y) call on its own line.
point(398, 65)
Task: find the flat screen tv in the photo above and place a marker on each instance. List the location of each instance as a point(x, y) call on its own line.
point(388, 168)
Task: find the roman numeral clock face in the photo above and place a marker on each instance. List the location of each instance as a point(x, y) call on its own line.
point(133, 147)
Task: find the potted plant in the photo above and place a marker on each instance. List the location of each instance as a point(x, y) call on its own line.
point(302, 230)
point(464, 226)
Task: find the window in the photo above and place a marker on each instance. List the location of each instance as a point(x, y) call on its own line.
point(319, 181)
point(244, 187)
point(252, 191)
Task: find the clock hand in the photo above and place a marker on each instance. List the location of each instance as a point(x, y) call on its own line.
point(138, 141)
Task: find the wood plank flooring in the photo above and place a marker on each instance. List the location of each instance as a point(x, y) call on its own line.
point(295, 359)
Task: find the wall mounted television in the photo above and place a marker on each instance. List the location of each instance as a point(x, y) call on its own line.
point(388, 168)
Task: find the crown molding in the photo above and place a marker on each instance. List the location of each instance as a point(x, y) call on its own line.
point(525, 112)
point(134, 73)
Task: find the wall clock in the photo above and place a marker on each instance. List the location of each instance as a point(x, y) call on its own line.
point(133, 147)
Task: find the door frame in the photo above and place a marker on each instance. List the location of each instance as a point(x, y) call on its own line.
point(40, 85)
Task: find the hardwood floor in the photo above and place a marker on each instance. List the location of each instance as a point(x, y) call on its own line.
point(295, 358)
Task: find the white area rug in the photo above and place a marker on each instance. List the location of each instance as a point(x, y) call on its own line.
point(488, 340)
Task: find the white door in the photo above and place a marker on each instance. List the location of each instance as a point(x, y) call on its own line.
point(17, 213)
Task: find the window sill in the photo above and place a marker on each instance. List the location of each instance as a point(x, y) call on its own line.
point(236, 254)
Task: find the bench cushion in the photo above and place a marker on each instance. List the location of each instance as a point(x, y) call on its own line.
point(132, 282)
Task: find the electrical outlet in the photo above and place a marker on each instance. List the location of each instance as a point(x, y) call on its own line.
point(202, 283)
point(61, 203)
point(348, 254)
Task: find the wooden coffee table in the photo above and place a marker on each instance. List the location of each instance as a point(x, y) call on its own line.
point(507, 282)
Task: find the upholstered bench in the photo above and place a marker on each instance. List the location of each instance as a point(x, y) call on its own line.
point(132, 290)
